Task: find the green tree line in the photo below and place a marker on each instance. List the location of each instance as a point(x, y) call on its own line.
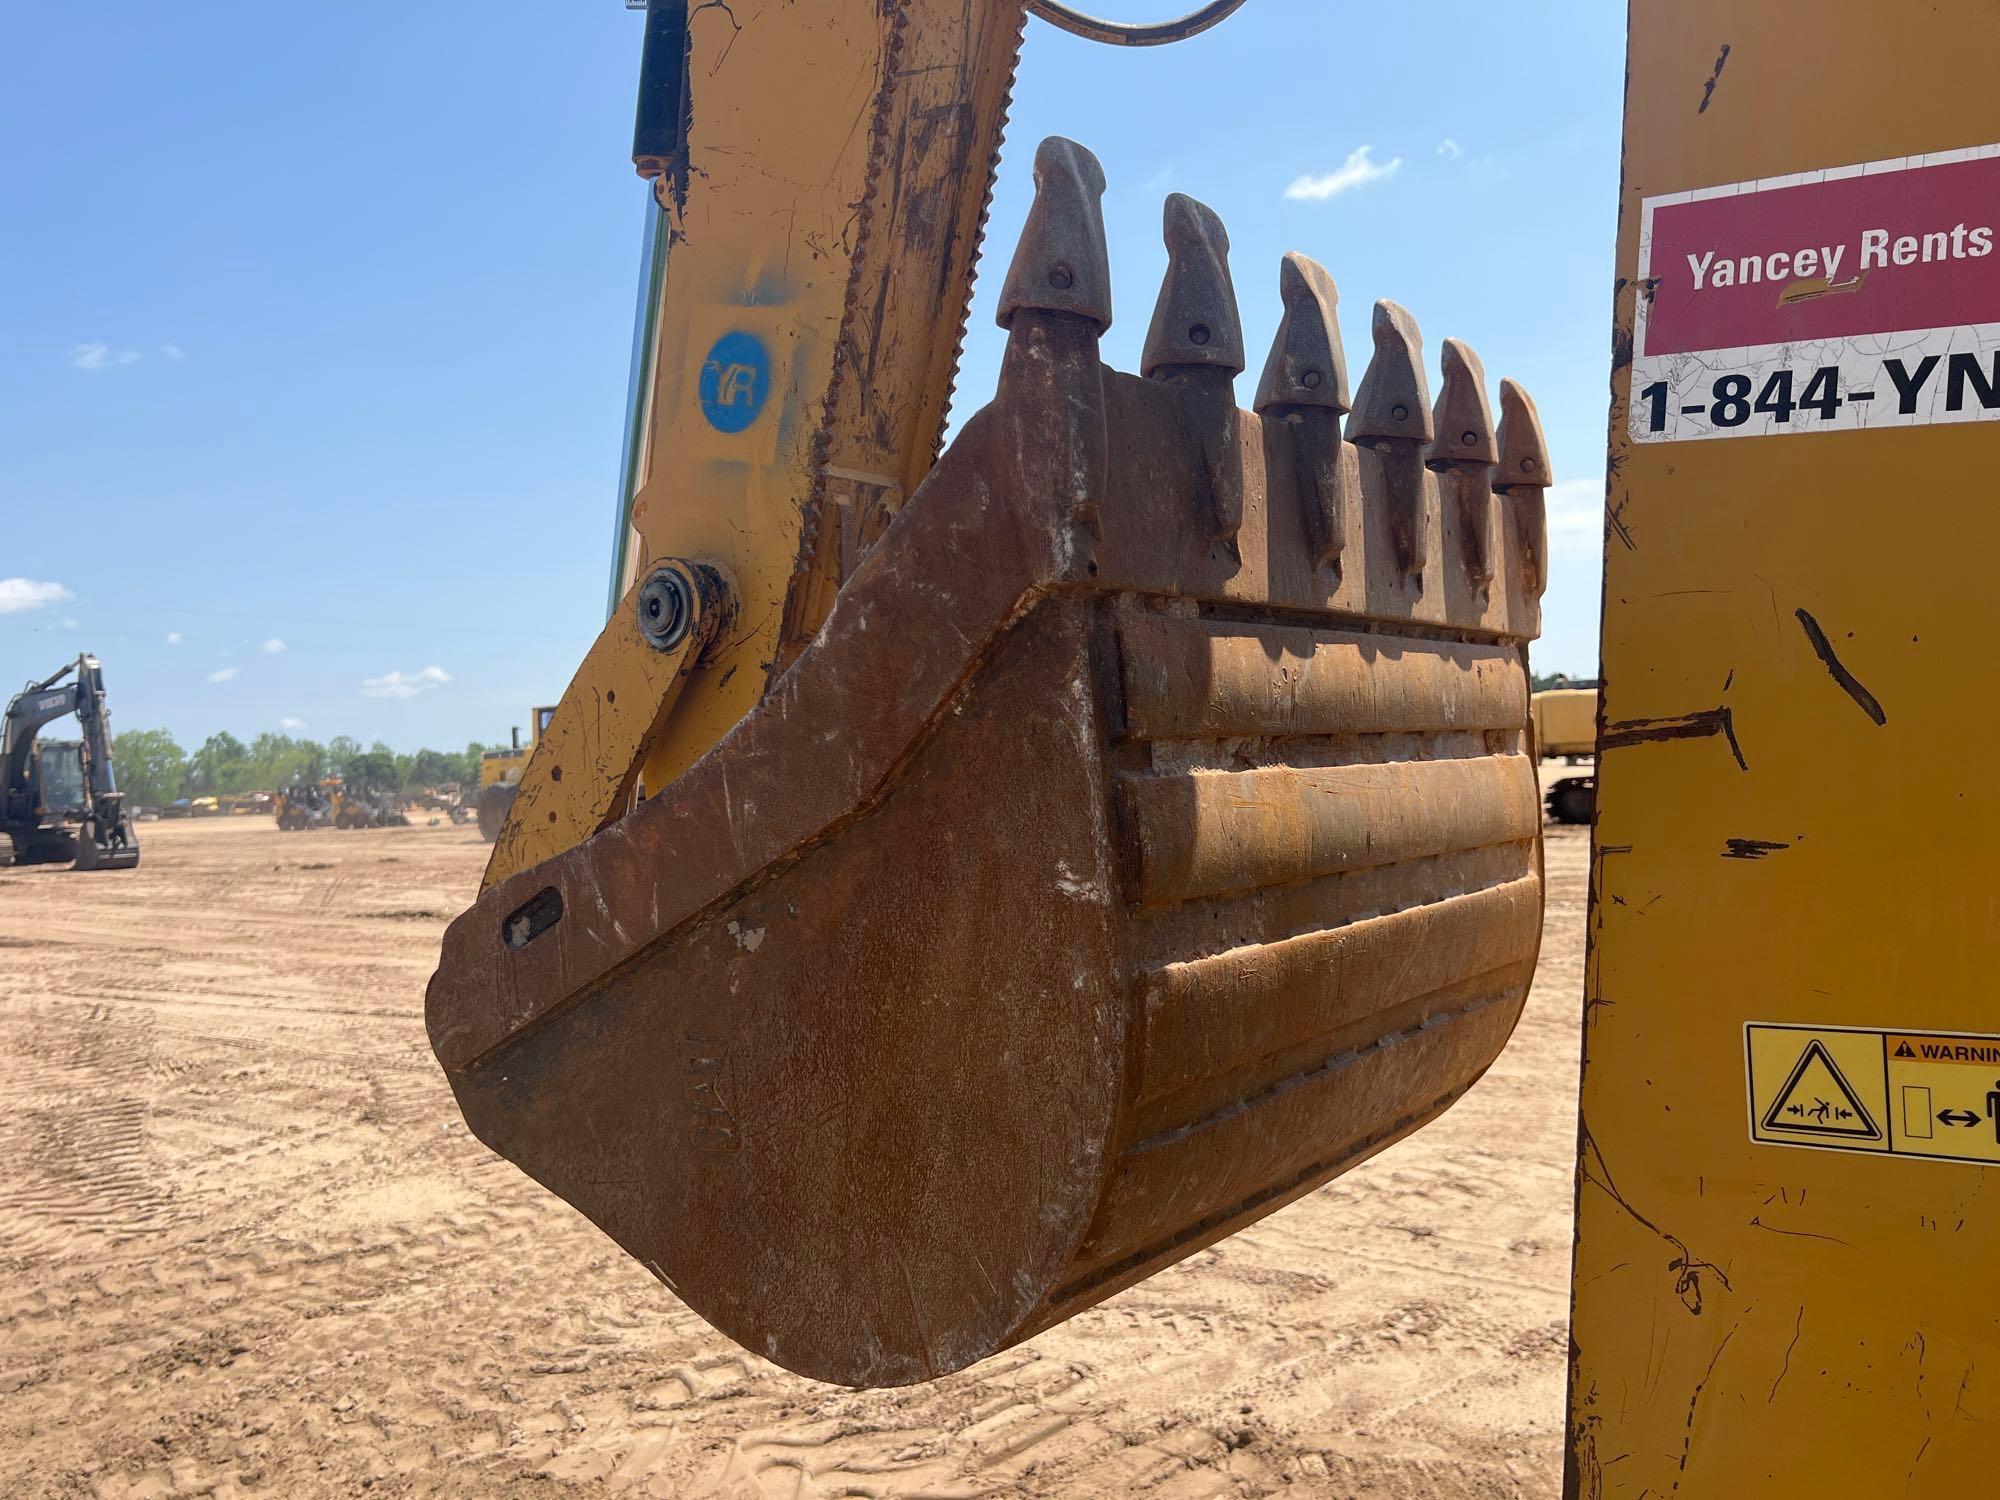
point(152, 769)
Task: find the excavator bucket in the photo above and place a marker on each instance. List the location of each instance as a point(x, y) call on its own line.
point(114, 848)
point(1149, 835)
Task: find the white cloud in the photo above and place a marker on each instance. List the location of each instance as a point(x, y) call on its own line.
point(18, 595)
point(290, 723)
point(173, 637)
point(1358, 170)
point(223, 674)
point(172, 351)
point(101, 357)
point(1576, 517)
point(404, 684)
point(273, 646)
point(69, 622)
point(1450, 149)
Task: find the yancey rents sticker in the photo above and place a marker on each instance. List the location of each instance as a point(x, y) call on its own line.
point(1857, 296)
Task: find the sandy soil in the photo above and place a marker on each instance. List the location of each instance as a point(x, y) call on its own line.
point(247, 1248)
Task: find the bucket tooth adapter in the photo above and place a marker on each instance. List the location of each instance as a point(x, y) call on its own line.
point(1304, 392)
point(1195, 344)
point(1463, 454)
point(1391, 424)
point(1148, 835)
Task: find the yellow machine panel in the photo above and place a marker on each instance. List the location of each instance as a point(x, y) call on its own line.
point(1565, 721)
point(1786, 1238)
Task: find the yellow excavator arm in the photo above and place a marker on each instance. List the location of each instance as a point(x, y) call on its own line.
point(823, 179)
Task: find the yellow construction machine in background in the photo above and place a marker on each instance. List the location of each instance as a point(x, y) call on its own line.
point(1565, 720)
point(500, 777)
point(305, 805)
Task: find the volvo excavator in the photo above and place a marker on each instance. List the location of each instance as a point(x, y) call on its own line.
point(59, 802)
point(957, 885)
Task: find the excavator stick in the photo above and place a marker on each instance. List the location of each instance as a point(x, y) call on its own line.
point(1148, 835)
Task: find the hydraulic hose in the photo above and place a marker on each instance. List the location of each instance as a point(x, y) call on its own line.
point(1133, 33)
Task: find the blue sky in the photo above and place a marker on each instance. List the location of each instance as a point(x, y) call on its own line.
point(314, 339)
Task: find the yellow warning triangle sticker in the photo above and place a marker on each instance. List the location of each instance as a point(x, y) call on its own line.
point(1816, 1100)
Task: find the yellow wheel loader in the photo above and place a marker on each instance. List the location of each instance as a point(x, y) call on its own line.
point(500, 778)
point(300, 807)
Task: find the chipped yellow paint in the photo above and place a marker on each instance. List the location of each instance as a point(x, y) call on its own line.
point(585, 763)
point(1751, 1320)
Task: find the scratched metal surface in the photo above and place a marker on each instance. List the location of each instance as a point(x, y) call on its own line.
point(248, 1248)
point(827, 229)
point(1795, 818)
point(1148, 837)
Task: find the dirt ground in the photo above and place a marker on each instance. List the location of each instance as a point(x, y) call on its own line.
point(247, 1248)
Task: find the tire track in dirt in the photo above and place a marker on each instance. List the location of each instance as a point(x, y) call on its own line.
point(249, 1248)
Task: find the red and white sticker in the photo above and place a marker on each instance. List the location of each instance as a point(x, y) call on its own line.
point(1853, 297)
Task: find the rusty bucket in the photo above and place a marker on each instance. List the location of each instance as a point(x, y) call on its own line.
point(1149, 836)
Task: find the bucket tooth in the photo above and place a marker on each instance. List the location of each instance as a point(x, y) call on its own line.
point(1195, 343)
point(1195, 322)
point(1392, 414)
point(1304, 390)
point(1307, 365)
point(1463, 420)
point(1462, 454)
point(1522, 476)
point(1055, 304)
point(1062, 264)
point(1394, 401)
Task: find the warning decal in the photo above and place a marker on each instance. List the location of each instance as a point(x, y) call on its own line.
point(1817, 1100)
point(1850, 297)
point(1843, 1088)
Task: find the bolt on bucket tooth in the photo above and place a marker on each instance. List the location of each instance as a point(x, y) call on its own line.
point(1148, 836)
